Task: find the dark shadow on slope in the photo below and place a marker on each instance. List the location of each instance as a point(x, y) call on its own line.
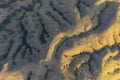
point(107, 17)
point(106, 14)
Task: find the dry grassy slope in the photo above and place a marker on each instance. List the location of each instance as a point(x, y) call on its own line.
point(95, 42)
point(102, 1)
point(59, 40)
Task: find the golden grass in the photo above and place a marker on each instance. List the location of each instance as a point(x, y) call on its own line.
point(10, 75)
point(94, 42)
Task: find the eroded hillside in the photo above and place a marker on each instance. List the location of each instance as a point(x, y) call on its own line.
point(59, 40)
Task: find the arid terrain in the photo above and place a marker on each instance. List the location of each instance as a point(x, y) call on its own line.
point(59, 39)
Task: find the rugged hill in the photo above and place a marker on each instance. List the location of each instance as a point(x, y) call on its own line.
point(59, 39)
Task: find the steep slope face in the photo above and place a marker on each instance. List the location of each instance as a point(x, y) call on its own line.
point(59, 39)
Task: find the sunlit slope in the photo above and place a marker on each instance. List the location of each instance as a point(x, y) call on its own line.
point(110, 67)
point(23, 73)
point(94, 42)
point(60, 40)
point(90, 43)
point(83, 25)
point(102, 1)
point(10, 75)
